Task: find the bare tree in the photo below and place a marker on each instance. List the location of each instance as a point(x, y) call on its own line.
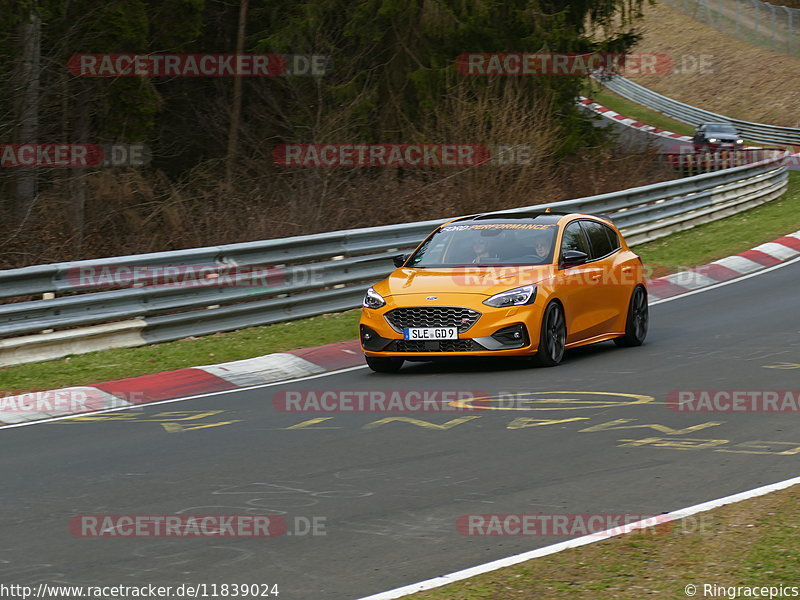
point(236, 105)
point(27, 107)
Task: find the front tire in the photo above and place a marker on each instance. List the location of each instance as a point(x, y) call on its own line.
point(637, 321)
point(381, 364)
point(552, 337)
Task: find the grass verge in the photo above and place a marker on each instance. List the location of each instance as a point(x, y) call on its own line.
point(751, 543)
point(636, 111)
point(106, 365)
point(672, 253)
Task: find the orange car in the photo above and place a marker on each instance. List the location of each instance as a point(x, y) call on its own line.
point(507, 284)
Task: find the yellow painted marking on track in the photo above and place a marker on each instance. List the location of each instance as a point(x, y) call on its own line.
point(760, 447)
point(180, 428)
point(754, 447)
point(115, 416)
point(675, 443)
point(182, 415)
point(308, 424)
point(420, 423)
point(783, 365)
point(190, 415)
point(523, 422)
point(561, 400)
point(620, 424)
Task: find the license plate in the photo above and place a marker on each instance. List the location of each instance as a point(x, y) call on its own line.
point(430, 333)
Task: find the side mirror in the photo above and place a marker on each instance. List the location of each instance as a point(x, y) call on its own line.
point(399, 260)
point(572, 258)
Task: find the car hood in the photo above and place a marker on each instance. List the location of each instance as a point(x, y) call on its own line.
point(476, 279)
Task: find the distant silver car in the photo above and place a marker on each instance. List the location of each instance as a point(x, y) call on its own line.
point(710, 137)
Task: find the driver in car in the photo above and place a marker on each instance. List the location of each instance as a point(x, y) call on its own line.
point(542, 245)
point(536, 245)
point(481, 249)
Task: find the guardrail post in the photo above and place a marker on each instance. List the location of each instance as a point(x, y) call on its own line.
point(774, 26)
point(736, 19)
point(789, 48)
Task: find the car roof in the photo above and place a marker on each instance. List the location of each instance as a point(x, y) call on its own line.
point(718, 124)
point(543, 217)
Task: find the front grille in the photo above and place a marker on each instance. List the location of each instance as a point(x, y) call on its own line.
point(434, 346)
point(432, 316)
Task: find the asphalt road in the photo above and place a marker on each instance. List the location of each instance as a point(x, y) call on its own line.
point(390, 492)
point(636, 140)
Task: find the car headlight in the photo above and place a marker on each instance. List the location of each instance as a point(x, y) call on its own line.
point(516, 297)
point(740, 141)
point(712, 140)
point(373, 299)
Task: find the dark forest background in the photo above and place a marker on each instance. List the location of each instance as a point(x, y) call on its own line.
point(212, 179)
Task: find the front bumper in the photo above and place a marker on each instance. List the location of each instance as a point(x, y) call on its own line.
point(716, 146)
point(512, 331)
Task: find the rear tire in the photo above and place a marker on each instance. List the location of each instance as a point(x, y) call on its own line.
point(637, 321)
point(381, 364)
point(552, 337)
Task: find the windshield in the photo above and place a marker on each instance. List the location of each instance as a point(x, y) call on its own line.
point(493, 244)
point(721, 128)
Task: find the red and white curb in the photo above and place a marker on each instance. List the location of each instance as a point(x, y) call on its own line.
point(763, 256)
point(282, 366)
point(271, 368)
point(633, 123)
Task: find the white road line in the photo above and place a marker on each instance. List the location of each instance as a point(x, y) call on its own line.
point(581, 541)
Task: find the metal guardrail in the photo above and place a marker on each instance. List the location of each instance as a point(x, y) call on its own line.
point(756, 132)
point(307, 275)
